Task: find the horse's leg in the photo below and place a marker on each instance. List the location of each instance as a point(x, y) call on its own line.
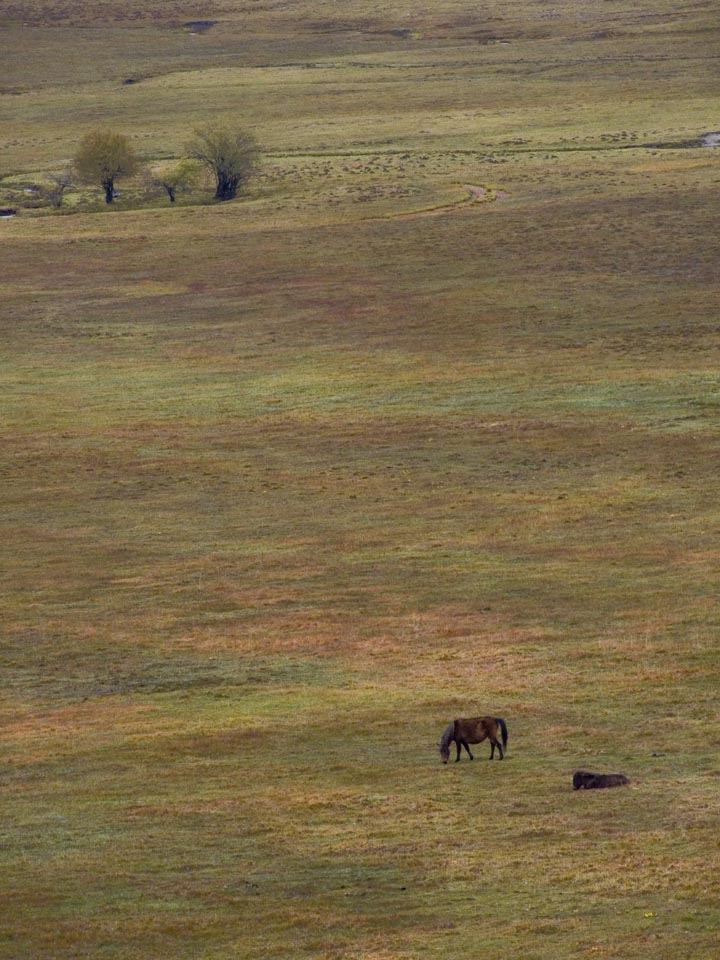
point(496, 743)
point(492, 749)
point(469, 752)
point(458, 744)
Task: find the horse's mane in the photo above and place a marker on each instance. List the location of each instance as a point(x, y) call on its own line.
point(447, 738)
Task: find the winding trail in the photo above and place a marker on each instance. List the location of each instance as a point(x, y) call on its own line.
point(476, 194)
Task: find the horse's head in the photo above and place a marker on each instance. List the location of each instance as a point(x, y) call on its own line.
point(445, 740)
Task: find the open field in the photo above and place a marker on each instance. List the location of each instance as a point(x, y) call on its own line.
point(292, 481)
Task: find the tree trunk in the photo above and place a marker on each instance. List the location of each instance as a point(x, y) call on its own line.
point(56, 196)
point(227, 185)
point(109, 186)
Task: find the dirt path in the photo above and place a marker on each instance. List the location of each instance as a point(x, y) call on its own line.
point(476, 194)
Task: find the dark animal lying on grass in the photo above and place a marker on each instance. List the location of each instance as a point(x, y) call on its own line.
point(584, 780)
point(473, 730)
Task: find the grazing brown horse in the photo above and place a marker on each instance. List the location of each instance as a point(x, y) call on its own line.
point(473, 730)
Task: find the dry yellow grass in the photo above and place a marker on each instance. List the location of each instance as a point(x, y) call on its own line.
point(291, 482)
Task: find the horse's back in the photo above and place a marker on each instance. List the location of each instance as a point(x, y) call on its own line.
point(469, 727)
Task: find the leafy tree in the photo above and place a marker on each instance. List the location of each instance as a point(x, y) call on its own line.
point(59, 184)
point(174, 179)
point(104, 155)
point(230, 154)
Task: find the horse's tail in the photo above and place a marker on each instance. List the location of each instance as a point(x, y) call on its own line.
point(447, 738)
point(503, 730)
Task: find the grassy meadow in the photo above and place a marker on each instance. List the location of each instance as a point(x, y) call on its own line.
point(292, 481)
